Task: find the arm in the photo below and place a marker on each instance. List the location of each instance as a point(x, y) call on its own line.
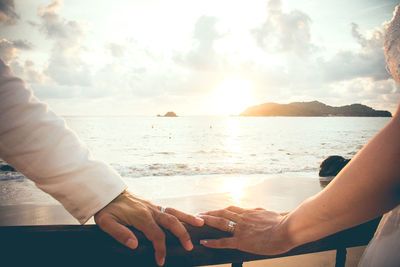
point(38, 143)
point(366, 188)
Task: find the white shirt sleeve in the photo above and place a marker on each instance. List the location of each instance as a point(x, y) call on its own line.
point(38, 143)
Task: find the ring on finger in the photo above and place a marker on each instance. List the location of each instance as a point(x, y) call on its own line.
point(163, 209)
point(231, 226)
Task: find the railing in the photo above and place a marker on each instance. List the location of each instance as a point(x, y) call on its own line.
point(75, 245)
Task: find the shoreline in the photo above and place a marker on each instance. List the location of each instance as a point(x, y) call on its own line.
point(278, 192)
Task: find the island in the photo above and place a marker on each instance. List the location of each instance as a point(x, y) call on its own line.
point(168, 114)
point(313, 109)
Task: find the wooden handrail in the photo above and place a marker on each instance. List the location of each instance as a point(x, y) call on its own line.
point(75, 245)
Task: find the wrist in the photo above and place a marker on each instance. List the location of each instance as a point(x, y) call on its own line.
point(286, 233)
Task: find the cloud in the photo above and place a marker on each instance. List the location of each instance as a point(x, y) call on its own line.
point(65, 66)
point(52, 24)
point(9, 49)
point(368, 62)
point(23, 44)
point(116, 50)
point(31, 74)
point(284, 32)
point(202, 57)
point(8, 16)
point(8, 52)
point(382, 94)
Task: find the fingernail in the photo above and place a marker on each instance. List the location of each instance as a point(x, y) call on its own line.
point(203, 242)
point(161, 261)
point(131, 243)
point(199, 219)
point(188, 245)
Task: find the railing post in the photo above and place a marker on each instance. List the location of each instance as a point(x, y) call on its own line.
point(341, 257)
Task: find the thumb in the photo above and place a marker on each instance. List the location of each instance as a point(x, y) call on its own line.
point(119, 232)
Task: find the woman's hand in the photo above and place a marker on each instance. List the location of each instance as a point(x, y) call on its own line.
point(128, 209)
point(256, 231)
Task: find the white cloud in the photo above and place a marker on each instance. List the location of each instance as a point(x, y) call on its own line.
point(31, 74)
point(7, 51)
point(368, 62)
point(284, 32)
point(23, 44)
point(203, 56)
point(8, 16)
point(66, 65)
point(9, 54)
point(115, 49)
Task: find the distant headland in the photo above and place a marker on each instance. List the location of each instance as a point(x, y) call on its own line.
point(168, 114)
point(313, 109)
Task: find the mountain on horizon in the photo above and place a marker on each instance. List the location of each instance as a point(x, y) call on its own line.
point(313, 109)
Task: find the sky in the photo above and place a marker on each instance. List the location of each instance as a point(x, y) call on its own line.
point(205, 57)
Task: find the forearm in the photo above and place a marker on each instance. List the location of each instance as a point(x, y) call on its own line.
point(365, 189)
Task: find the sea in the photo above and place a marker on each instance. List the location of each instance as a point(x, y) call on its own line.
point(186, 150)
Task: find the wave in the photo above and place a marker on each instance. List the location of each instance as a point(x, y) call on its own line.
point(186, 169)
point(178, 169)
point(7, 176)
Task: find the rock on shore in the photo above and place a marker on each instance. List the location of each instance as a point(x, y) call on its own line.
point(330, 167)
point(7, 168)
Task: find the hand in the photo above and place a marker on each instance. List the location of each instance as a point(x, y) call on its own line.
point(128, 209)
point(257, 231)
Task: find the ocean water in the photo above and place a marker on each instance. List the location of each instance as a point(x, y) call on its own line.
point(189, 146)
point(144, 147)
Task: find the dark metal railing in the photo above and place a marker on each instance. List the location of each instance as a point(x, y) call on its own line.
point(75, 245)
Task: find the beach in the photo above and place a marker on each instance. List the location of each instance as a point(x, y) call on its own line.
point(279, 192)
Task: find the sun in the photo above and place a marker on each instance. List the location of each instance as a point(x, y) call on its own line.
point(233, 95)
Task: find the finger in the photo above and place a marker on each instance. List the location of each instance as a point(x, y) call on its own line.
point(187, 218)
point(230, 242)
point(118, 231)
point(216, 222)
point(236, 209)
point(154, 233)
point(225, 214)
point(176, 227)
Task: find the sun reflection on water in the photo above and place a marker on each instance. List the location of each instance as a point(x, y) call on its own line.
point(232, 142)
point(234, 187)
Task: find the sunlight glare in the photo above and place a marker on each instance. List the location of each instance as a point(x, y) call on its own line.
point(234, 186)
point(233, 95)
point(232, 141)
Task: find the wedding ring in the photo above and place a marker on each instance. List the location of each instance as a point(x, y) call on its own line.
point(163, 209)
point(231, 226)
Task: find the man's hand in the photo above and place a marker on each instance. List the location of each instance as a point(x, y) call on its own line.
point(128, 209)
